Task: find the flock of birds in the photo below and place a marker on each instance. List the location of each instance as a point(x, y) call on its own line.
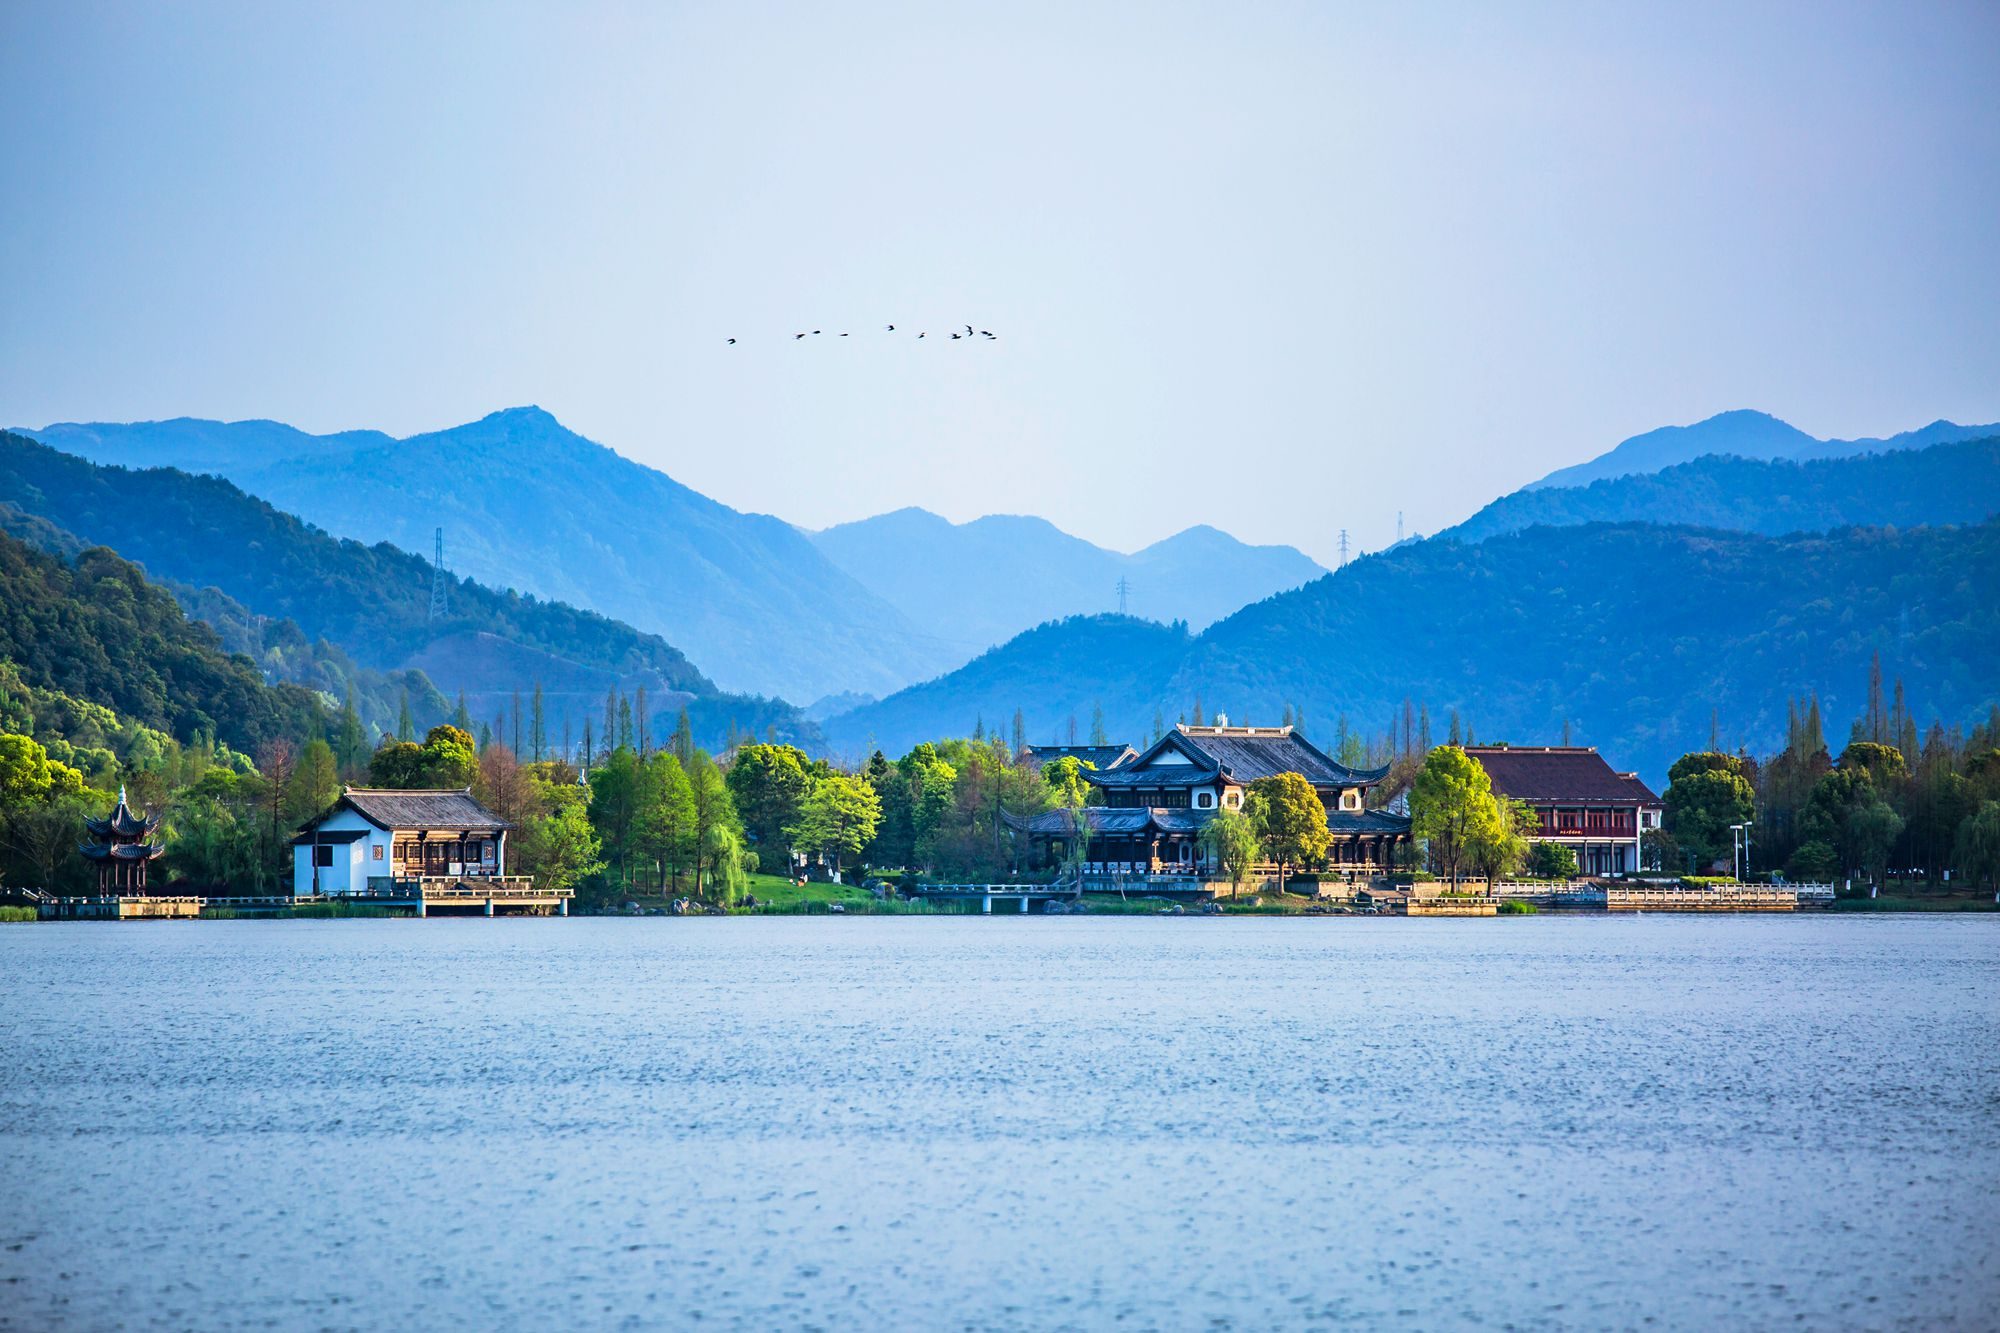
point(969, 333)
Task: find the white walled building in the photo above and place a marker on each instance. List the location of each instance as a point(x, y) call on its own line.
point(375, 837)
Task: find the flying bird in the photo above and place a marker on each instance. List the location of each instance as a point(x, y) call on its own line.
point(732, 342)
point(954, 337)
point(815, 333)
point(890, 327)
point(797, 336)
point(920, 335)
point(968, 330)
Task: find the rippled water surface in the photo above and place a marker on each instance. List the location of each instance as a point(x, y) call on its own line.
point(1067, 1122)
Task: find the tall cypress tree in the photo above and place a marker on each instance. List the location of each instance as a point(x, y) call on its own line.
point(537, 725)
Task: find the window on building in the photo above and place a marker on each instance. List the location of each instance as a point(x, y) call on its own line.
point(323, 855)
point(1205, 799)
point(1350, 800)
point(375, 851)
point(1233, 799)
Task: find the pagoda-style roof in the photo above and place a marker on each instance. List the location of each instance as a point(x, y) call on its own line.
point(390, 809)
point(1236, 755)
point(122, 823)
point(121, 851)
point(1570, 773)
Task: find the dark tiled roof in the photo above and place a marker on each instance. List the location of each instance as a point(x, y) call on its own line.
point(122, 823)
point(1099, 756)
point(1558, 773)
point(1368, 821)
point(390, 809)
point(330, 838)
point(1104, 819)
point(121, 851)
point(1242, 755)
point(1167, 775)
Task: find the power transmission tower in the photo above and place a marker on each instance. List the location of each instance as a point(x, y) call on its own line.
point(1399, 527)
point(1343, 546)
point(1124, 591)
point(438, 607)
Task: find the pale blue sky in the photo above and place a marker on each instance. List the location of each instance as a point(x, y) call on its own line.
point(1279, 268)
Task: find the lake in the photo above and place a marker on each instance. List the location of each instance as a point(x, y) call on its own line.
point(1001, 1122)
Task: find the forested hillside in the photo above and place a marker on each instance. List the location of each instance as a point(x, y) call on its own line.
point(1635, 636)
point(528, 504)
point(311, 608)
point(98, 631)
point(1945, 483)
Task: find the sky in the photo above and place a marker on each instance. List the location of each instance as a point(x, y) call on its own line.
point(1284, 269)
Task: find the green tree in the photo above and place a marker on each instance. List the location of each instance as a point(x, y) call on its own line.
point(666, 829)
point(1291, 821)
point(1884, 764)
point(44, 835)
point(315, 782)
point(209, 845)
point(1976, 851)
point(1231, 842)
point(560, 848)
point(1501, 852)
point(1067, 784)
point(1552, 860)
point(770, 784)
point(930, 783)
point(351, 739)
point(1452, 808)
point(1706, 793)
point(838, 819)
point(617, 801)
point(29, 777)
point(1813, 862)
point(448, 758)
point(1872, 831)
point(718, 838)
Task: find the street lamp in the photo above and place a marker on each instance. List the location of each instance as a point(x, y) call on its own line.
point(1739, 845)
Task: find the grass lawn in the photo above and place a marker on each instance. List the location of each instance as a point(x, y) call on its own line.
point(783, 895)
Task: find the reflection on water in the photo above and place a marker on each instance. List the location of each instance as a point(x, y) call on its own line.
point(1067, 1122)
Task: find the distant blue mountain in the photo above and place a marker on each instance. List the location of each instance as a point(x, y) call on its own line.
point(1944, 483)
point(982, 582)
point(528, 504)
point(1743, 434)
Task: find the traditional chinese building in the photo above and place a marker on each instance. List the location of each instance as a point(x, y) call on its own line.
point(1097, 756)
point(121, 848)
point(375, 837)
point(1148, 811)
point(1580, 801)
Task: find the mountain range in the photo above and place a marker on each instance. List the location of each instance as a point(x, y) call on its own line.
point(985, 581)
point(1743, 434)
point(1634, 635)
point(526, 503)
point(1765, 565)
point(1944, 483)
